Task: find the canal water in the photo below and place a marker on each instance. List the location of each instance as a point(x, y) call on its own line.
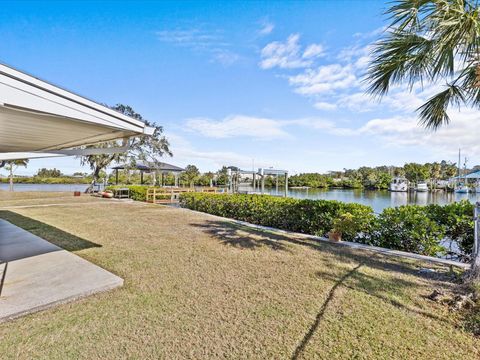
point(45, 187)
point(377, 199)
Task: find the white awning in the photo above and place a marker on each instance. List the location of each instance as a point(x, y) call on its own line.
point(36, 116)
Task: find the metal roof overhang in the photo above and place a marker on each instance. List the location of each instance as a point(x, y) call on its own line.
point(149, 167)
point(38, 117)
point(473, 175)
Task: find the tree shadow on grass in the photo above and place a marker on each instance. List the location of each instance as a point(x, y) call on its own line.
point(238, 235)
point(313, 328)
point(47, 232)
point(389, 286)
point(241, 236)
point(383, 289)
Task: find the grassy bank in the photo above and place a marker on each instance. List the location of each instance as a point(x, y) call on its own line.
point(411, 228)
point(197, 287)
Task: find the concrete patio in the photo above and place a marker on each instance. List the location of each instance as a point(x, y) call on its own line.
point(35, 274)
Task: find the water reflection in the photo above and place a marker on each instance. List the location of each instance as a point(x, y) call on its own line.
point(377, 199)
point(46, 187)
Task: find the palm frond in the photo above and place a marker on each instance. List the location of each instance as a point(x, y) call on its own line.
point(407, 14)
point(399, 56)
point(431, 41)
point(469, 80)
point(433, 113)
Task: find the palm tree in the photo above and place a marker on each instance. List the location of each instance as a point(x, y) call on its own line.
point(11, 166)
point(433, 42)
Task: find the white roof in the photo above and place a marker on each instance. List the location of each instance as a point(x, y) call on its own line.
point(36, 116)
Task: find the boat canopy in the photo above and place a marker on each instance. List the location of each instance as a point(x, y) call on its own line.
point(473, 175)
point(38, 118)
point(147, 167)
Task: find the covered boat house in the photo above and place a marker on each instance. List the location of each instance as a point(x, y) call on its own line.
point(160, 168)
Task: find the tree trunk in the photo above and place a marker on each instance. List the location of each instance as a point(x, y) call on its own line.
point(96, 172)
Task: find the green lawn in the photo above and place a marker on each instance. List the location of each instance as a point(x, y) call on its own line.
point(198, 287)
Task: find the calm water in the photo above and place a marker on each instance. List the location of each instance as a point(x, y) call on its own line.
point(377, 199)
point(45, 187)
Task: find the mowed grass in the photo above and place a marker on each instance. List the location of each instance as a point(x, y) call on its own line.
point(199, 287)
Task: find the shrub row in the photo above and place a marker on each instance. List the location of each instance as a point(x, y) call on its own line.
point(137, 192)
point(412, 228)
point(315, 217)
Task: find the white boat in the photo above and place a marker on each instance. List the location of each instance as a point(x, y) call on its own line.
point(461, 189)
point(421, 186)
point(399, 184)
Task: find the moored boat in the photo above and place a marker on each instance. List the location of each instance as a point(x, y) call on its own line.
point(421, 186)
point(398, 184)
point(461, 189)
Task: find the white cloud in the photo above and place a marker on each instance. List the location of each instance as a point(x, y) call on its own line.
point(260, 128)
point(313, 51)
point(289, 54)
point(340, 85)
point(322, 105)
point(399, 131)
point(358, 102)
point(267, 28)
point(324, 79)
point(370, 34)
point(225, 57)
point(184, 153)
point(323, 125)
point(202, 41)
point(238, 126)
point(195, 38)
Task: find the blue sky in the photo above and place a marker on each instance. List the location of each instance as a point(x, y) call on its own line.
point(274, 83)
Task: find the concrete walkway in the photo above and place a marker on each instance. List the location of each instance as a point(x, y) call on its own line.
point(35, 274)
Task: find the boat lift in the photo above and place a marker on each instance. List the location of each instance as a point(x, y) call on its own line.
point(234, 177)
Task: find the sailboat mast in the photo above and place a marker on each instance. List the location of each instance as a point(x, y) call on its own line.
point(458, 162)
point(458, 169)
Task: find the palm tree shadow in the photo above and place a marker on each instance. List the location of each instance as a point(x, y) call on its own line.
point(313, 328)
point(388, 286)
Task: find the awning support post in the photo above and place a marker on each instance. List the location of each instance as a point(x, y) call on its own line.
point(286, 184)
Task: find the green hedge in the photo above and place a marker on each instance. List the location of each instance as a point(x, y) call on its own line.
point(306, 216)
point(412, 228)
point(407, 228)
point(457, 218)
point(137, 192)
